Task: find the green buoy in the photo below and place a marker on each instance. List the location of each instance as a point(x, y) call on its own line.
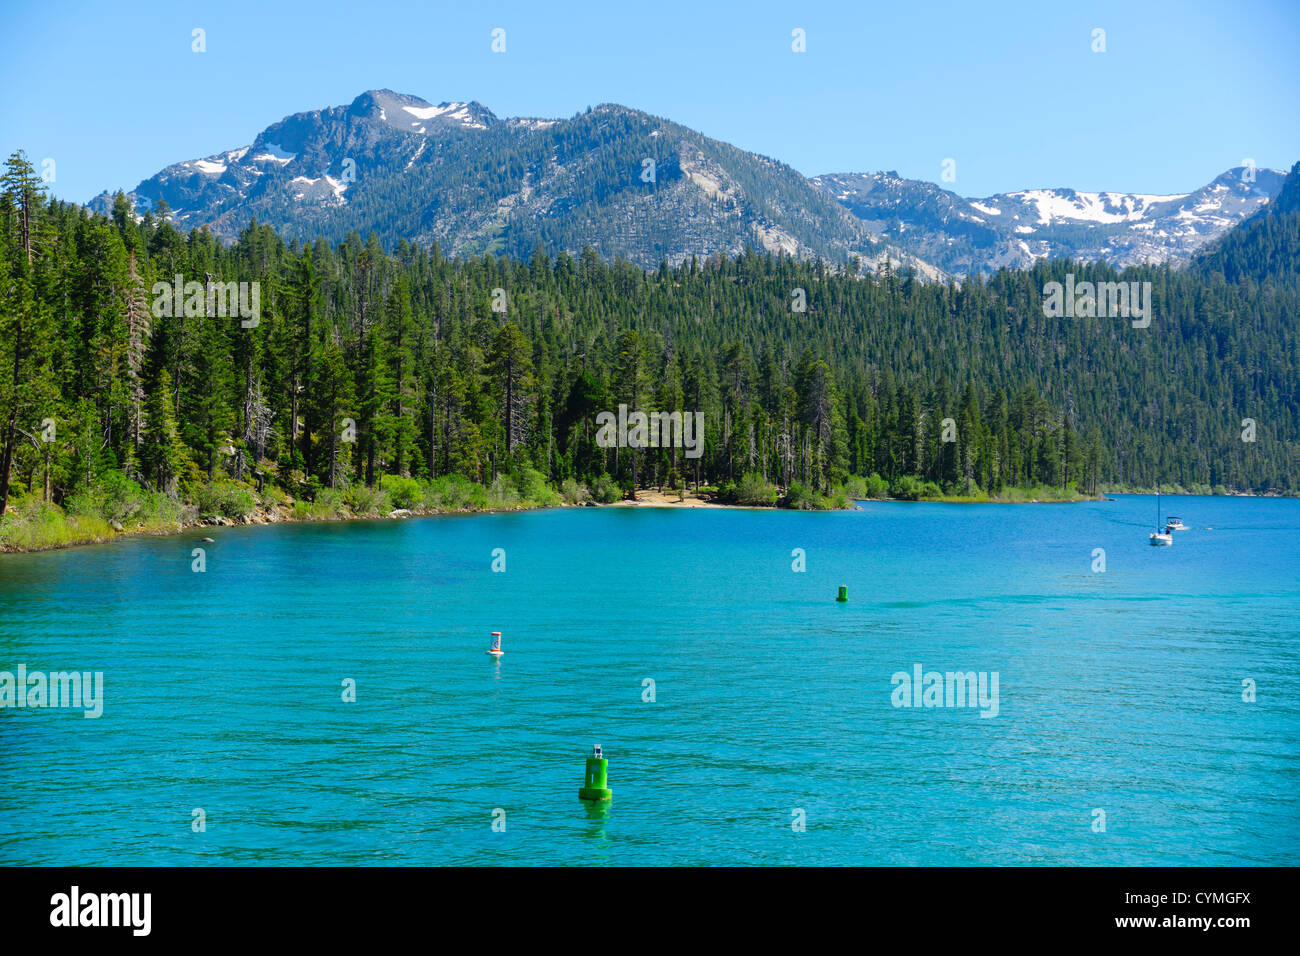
point(593, 787)
point(844, 593)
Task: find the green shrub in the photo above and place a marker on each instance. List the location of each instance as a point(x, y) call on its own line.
point(479, 499)
point(535, 490)
point(454, 493)
point(402, 492)
point(84, 502)
point(960, 490)
point(930, 491)
point(224, 498)
point(327, 504)
point(158, 509)
point(877, 487)
point(906, 487)
point(605, 490)
point(271, 496)
point(837, 500)
point(754, 489)
point(39, 524)
point(502, 493)
point(364, 500)
point(855, 486)
point(458, 493)
point(802, 498)
point(113, 497)
point(122, 497)
point(574, 492)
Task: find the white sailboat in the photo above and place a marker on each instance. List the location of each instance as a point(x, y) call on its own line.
point(1159, 539)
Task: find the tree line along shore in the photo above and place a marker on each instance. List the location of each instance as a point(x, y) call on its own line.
point(119, 508)
point(372, 381)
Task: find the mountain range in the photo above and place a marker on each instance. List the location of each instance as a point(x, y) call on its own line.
point(963, 236)
point(643, 188)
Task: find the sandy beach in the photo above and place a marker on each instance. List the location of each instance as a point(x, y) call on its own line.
point(660, 499)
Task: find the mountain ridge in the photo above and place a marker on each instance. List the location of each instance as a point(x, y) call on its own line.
point(640, 187)
point(1265, 247)
point(964, 235)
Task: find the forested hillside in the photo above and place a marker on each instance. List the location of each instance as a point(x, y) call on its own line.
point(361, 365)
point(1266, 247)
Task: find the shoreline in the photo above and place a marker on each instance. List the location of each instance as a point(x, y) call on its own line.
point(646, 498)
point(282, 514)
point(273, 515)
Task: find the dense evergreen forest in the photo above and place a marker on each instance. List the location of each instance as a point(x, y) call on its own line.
point(363, 364)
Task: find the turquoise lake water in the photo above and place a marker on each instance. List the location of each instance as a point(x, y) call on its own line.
point(1118, 691)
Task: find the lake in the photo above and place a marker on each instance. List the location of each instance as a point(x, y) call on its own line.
point(769, 733)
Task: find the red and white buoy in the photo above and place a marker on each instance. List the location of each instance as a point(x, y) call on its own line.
point(495, 649)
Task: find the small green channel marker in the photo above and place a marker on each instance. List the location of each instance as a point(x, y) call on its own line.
point(593, 787)
point(844, 593)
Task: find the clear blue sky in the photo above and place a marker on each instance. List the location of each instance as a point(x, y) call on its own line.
point(1012, 91)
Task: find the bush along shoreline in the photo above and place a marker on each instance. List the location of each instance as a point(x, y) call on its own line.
point(116, 506)
point(119, 507)
point(754, 491)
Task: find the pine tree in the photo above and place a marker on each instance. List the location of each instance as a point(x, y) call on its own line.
point(162, 453)
point(511, 369)
point(399, 336)
point(20, 310)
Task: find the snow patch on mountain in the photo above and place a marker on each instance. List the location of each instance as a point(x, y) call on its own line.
point(531, 123)
point(451, 111)
point(411, 161)
point(272, 153)
point(429, 112)
point(208, 166)
point(1066, 204)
